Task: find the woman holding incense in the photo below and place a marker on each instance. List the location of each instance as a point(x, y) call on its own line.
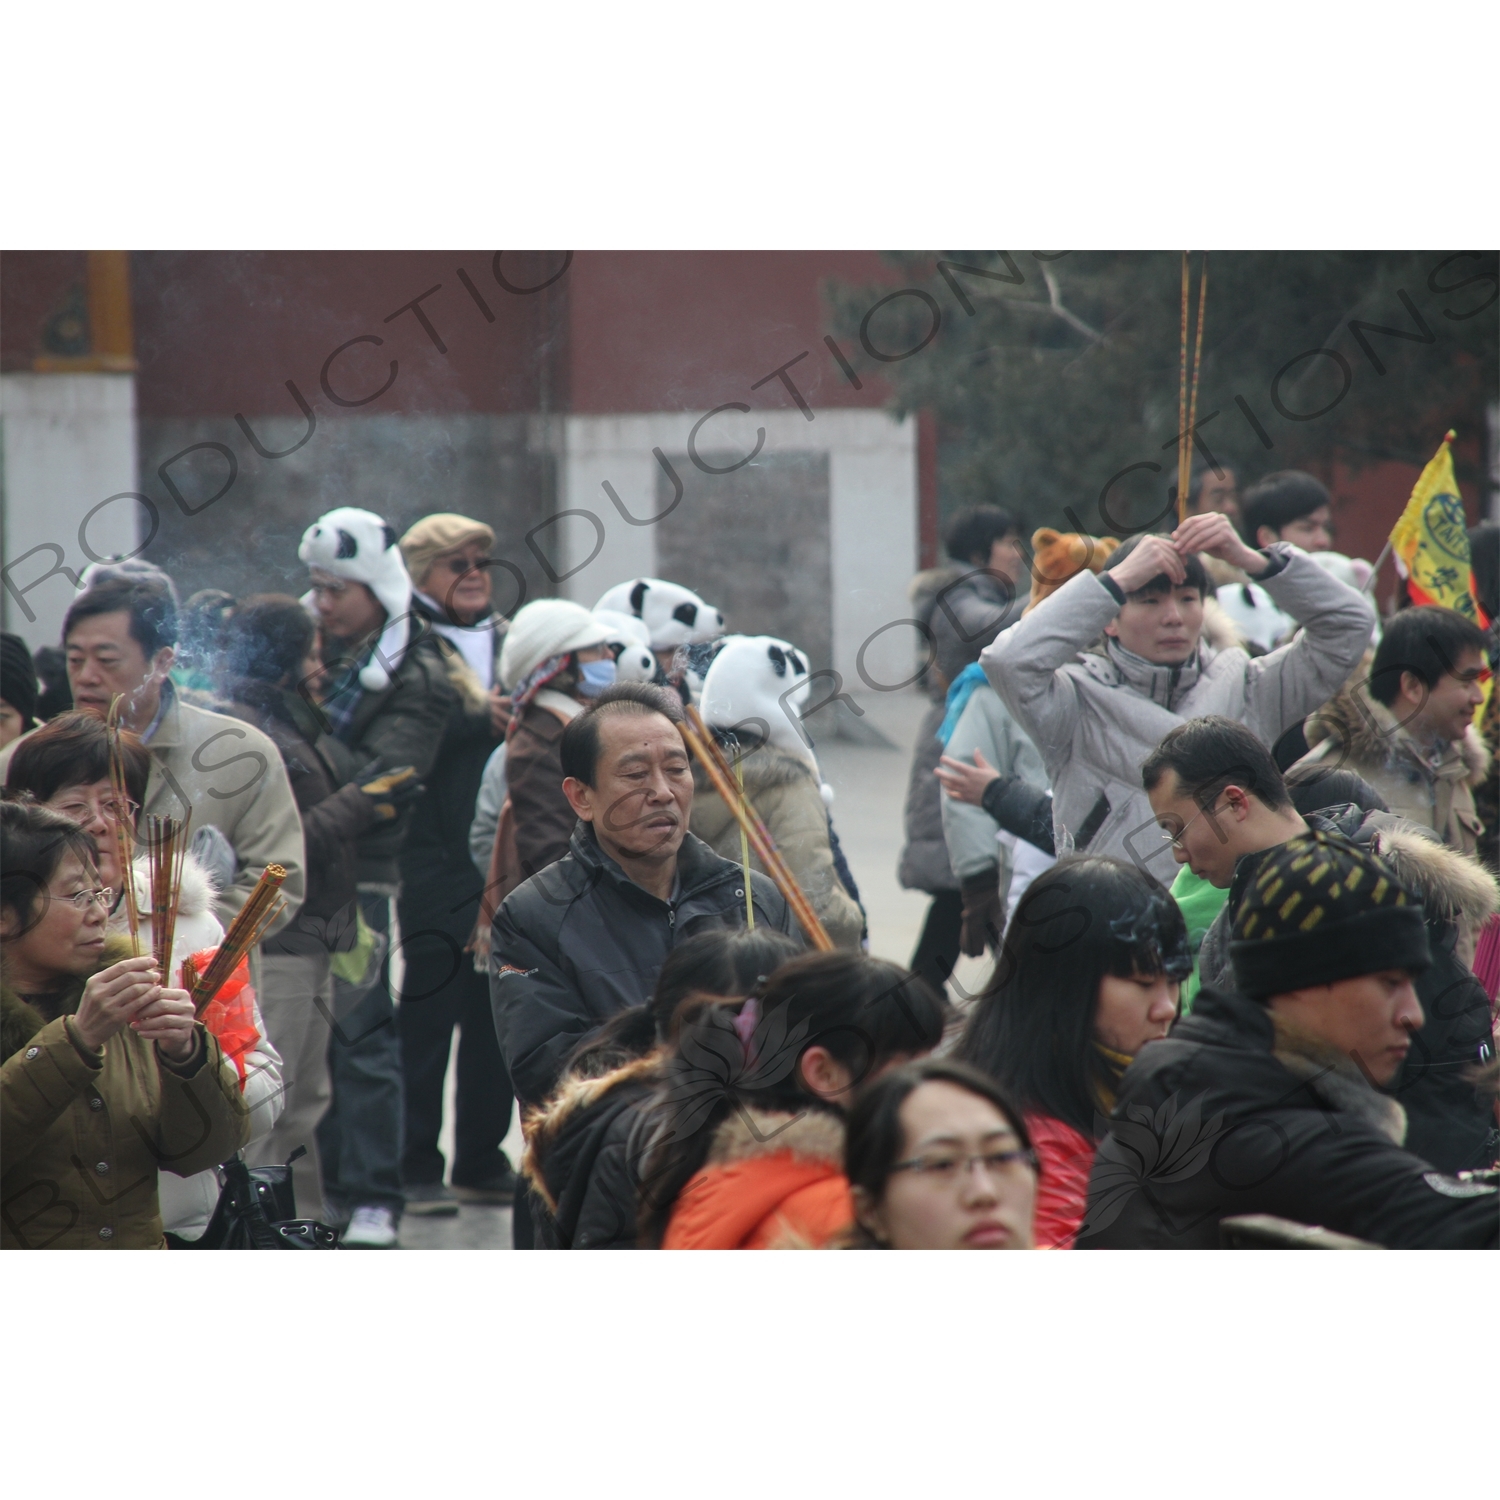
point(106, 1075)
point(65, 765)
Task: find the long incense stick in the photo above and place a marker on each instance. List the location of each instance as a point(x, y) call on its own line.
point(263, 905)
point(1182, 402)
point(124, 828)
point(166, 852)
point(739, 781)
point(1192, 421)
point(706, 748)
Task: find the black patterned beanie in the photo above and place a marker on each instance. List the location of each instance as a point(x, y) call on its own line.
point(1322, 909)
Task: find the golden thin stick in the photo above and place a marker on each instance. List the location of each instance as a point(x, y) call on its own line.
point(1192, 421)
point(739, 781)
point(261, 908)
point(1182, 403)
point(166, 851)
point(703, 745)
point(124, 829)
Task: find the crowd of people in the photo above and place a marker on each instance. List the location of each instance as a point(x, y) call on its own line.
point(1227, 837)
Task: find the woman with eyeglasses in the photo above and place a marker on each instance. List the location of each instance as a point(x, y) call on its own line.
point(1088, 974)
point(938, 1159)
point(64, 767)
point(105, 1075)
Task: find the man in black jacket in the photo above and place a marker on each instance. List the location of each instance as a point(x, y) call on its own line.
point(586, 937)
point(1268, 1101)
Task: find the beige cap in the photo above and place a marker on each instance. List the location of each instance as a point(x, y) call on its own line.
point(440, 533)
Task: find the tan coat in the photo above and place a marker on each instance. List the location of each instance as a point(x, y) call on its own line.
point(82, 1136)
point(232, 776)
point(784, 790)
point(1353, 732)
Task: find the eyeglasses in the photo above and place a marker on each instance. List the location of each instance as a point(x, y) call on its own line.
point(113, 809)
point(944, 1167)
point(104, 895)
point(1175, 839)
point(458, 566)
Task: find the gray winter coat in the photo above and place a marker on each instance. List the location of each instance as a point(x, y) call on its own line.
point(1096, 714)
point(924, 864)
point(967, 614)
point(986, 725)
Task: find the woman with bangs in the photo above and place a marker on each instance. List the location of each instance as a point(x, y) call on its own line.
point(1088, 974)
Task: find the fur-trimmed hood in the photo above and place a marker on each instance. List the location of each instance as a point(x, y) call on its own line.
point(1372, 735)
point(812, 1135)
point(1336, 1079)
point(1454, 887)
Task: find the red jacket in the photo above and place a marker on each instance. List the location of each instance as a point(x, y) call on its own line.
point(767, 1182)
point(1067, 1158)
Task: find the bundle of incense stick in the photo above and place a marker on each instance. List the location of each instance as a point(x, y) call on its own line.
point(124, 829)
point(166, 851)
point(702, 743)
point(262, 908)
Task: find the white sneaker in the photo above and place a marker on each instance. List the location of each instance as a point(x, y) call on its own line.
point(370, 1229)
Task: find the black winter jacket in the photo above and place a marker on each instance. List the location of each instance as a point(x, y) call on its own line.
point(1233, 1114)
point(583, 1153)
point(580, 941)
point(436, 870)
point(402, 725)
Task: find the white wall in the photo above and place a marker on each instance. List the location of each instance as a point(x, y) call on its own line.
point(67, 444)
point(872, 511)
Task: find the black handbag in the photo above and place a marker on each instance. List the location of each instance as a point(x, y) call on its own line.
point(257, 1210)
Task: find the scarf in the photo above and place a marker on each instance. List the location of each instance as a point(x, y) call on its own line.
point(959, 694)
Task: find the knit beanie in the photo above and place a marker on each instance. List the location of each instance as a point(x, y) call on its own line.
point(18, 678)
point(544, 629)
point(357, 545)
point(1323, 909)
point(440, 533)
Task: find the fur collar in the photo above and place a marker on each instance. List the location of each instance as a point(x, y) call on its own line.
point(1454, 887)
point(816, 1134)
point(197, 893)
point(1336, 1080)
point(1373, 735)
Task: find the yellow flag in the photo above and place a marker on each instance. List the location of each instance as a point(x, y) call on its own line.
point(1431, 542)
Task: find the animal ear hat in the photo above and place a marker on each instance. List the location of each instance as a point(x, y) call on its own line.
point(631, 643)
point(674, 615)
point(758, 680)
point(357, 545)
point(1058, 556)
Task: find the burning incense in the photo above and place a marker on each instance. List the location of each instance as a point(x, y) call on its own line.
point(124, 828)
point(260, 910)
point(1187, 401)
point(166, 852)
point(720, 774)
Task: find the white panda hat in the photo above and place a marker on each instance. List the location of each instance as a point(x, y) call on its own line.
point(357, 545)
point(631, 642)
point(747, 685)
point(673, 615)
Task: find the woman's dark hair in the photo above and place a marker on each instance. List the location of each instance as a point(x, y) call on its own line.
point(725, 961)
point(1484, 564)
point(73, 750)
point(972, 533)
point(34, 841)
point(266, 639)
point(875, 1140)
point(1032, 1030)
point(864, 1011)
point(1427, 641)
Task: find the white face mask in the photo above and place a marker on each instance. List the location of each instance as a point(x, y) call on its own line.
point(595, 676)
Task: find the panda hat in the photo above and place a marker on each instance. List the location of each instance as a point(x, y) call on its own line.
point(357, 545)
point(629, 639)
point(758, 680)
point(673, 616)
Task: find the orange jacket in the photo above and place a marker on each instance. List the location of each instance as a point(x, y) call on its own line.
point(767, 1183)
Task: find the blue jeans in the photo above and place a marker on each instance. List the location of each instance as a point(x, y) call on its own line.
point(359, 1139)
